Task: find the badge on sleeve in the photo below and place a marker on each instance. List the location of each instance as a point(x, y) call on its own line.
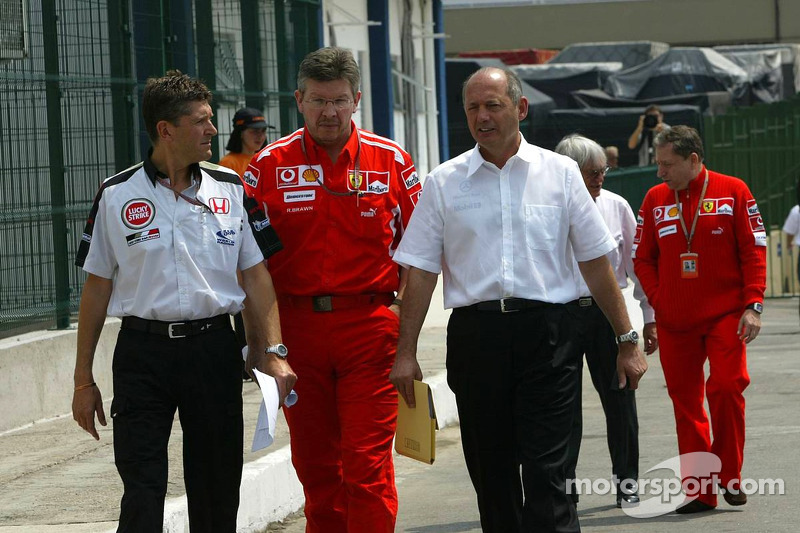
point(689, 265)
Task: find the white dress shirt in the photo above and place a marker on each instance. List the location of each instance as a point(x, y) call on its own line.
point(792, 225)
point(169, 259)
point(619, 218)
point(511, 232)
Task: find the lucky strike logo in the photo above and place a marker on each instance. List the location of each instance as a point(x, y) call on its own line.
point(138, 213)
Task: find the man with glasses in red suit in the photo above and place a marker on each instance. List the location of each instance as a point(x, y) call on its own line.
point(340, 197)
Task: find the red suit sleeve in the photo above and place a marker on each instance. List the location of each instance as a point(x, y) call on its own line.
point(751, 240)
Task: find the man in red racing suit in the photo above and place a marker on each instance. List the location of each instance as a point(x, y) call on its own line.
point(700, 255)
point(340, 198)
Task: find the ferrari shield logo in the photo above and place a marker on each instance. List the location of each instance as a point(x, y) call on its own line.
point(708, 206)
point(355, 180)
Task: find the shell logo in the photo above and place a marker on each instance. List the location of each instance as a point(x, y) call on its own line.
point(673, 211)
point(310, 174)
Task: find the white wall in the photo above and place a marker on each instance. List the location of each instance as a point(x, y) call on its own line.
point(36, 372)
point(354, 36)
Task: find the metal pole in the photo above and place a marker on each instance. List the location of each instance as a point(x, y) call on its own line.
point(56, 156)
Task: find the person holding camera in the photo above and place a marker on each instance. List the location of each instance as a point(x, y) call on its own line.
point(650, 124)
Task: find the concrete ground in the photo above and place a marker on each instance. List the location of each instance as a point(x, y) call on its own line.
point(439, 498)
point(54, 477)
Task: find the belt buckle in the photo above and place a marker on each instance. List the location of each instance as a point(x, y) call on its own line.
point(503, 306)
point(322, 304)
point(585, 301)
point(173, 335)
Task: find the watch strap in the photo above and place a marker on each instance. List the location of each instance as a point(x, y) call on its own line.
point(758, 307)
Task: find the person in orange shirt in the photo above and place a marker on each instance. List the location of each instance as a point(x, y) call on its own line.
point(248, 137)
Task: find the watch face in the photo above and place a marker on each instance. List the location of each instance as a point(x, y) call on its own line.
point(278, 349)
point(634, 336)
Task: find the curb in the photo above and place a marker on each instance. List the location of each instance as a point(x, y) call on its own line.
point(270, 490)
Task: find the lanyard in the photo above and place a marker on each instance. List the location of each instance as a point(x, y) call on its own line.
point(690, 235)
point(355, 181)
point(164, 182)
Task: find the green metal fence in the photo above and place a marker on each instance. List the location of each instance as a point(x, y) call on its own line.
point(69, 113)
point(761, 145)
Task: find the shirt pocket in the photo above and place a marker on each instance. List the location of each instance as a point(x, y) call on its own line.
point(542, 225)
point(221, 242)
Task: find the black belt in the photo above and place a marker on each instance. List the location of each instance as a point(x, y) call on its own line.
point(511, 305)
point(177, 330)
point(507, 305)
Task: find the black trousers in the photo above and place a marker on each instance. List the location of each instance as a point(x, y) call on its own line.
point(201, 377)
point(619, 406)
point(514, 378)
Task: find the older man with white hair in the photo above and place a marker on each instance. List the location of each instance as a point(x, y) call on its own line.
point(600, 347)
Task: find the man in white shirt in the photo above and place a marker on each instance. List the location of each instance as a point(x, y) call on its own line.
point(619, 406)
point(162, 247)
point(503, 222)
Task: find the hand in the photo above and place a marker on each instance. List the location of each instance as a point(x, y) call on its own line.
point(272, 365)
point(85, 403)
point(404, 371)
point(749, 326)
point(650, 336)
point(641, 121)
point(631, 365)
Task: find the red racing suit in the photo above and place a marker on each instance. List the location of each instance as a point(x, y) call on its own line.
point(698, 317)
point(339, 229)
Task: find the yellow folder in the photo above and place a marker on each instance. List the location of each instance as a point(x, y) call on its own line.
point(416, 437)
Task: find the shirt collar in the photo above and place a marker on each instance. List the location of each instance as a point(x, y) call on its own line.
point(153, 173)
point(350, 147)
point(697, 181)
point(525, 152)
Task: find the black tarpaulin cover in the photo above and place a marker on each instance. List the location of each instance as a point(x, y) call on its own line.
point(558, 80)
point(629, 53)
point(711, 104)
point(790, 61)
point(681, 71)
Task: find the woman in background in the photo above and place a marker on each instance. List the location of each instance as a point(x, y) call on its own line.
point(248, 137)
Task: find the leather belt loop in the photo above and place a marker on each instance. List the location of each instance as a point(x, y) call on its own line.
point(586, 301)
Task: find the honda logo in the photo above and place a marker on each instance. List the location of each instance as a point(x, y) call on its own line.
point(219, 206)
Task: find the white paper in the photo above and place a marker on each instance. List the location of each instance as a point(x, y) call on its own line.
point(268, 412)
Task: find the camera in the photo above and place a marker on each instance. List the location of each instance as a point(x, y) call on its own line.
point(650, 121)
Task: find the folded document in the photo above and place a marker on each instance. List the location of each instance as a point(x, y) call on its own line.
point(416, 428)
point(268, 412)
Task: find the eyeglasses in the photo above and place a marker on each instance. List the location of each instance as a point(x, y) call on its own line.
point(597, 173)
point(321, 103)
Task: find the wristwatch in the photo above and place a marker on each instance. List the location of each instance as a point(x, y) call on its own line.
point(756, 306)
point(631, 337)
point(278, 349)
